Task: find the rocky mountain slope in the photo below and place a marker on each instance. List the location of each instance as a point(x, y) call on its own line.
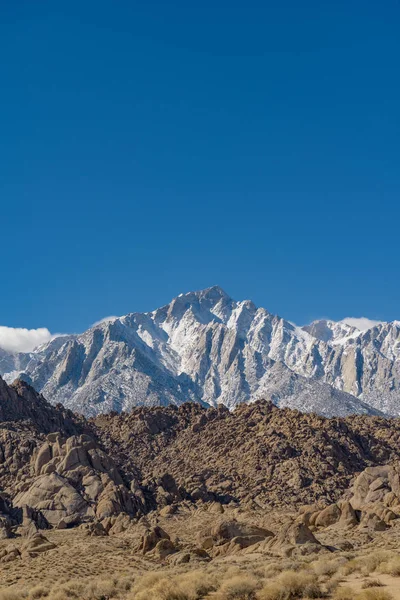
point(208, 348)
point(256, 453)
point(130, 465)
point(187, 486)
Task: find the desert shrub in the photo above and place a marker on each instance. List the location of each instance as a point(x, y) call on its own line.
point(391, 567)
point(371, 562)
point(196, 584)
point(367, 564)
point(39, 591)
point(292, 584)
point(273, 569)
point(332, 584)
point(351, 566)
point(102, 588)
point(124, 584)
point(158, 587)
point(239, 587)
point(66, 591)
point(329, 567)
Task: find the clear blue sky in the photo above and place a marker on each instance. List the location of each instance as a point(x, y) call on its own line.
point(151, 148)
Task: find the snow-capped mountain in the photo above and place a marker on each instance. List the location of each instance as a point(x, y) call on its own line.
point(206, 347)
point(331, 331)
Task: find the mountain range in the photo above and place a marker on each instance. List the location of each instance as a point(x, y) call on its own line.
point(208, 348)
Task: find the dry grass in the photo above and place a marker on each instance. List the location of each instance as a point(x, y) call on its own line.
point(272, 569)
point(371, 562)
point(344, 593)
point(39, 591)
point(239, 587)
point(292, 584)
point(391, 567)
point(328, 567)
point(374, 594)
point(163, 586)
point(9, 595)
point(238, 577)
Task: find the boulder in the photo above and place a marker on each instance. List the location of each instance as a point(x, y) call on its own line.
point(37, 544)
point(151, 538)
point(120, 524)
point(328, 516)
point(348, 517)
point(164, 548)
point(377, 477)
point(168, 510)
point(370, 521)
point(113, 500)
point(231, 536)
point(94, 529)
point(227, 530)
point(55, 498)
point(294, 538)
point(43, 457)
point(9, 554)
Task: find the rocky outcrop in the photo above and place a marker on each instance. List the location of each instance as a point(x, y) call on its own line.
point(74, 480)
point(152, 538)
point(116, 468)
point(371, 504)
point(228, 537)
point(294, 538)
point(37, 544)
point(20, 402)
point(257, 453)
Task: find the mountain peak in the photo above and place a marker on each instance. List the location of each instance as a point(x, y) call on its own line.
point(214, 293)
point(206, 347)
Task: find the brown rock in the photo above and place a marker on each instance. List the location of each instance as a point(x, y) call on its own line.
point(330, 515)
point(37, 544)
point(5, 528)
point(164, 547)
point(151, 538)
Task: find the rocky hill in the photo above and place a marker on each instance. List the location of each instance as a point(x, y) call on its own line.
point(20, 403)
point(255, 455)
point(208, 348)
point(189, 483)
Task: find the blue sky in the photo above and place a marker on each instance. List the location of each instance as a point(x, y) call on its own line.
point(152, 148)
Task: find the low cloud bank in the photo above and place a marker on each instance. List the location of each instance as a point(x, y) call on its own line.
point(361, 323)
point(18, 339)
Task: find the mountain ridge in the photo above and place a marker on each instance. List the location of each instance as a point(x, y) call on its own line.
point(206, 347)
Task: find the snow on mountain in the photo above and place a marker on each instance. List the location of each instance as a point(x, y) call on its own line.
point(331, 331)
point(206, 347)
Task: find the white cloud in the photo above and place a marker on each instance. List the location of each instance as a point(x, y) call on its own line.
point(105, 320)
point(361, 323)
point(18, 339)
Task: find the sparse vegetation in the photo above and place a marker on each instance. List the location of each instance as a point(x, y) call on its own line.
point(39, 591)
point(292, 584)
point(391, 567)
point(343, 593)
point(374, 594)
